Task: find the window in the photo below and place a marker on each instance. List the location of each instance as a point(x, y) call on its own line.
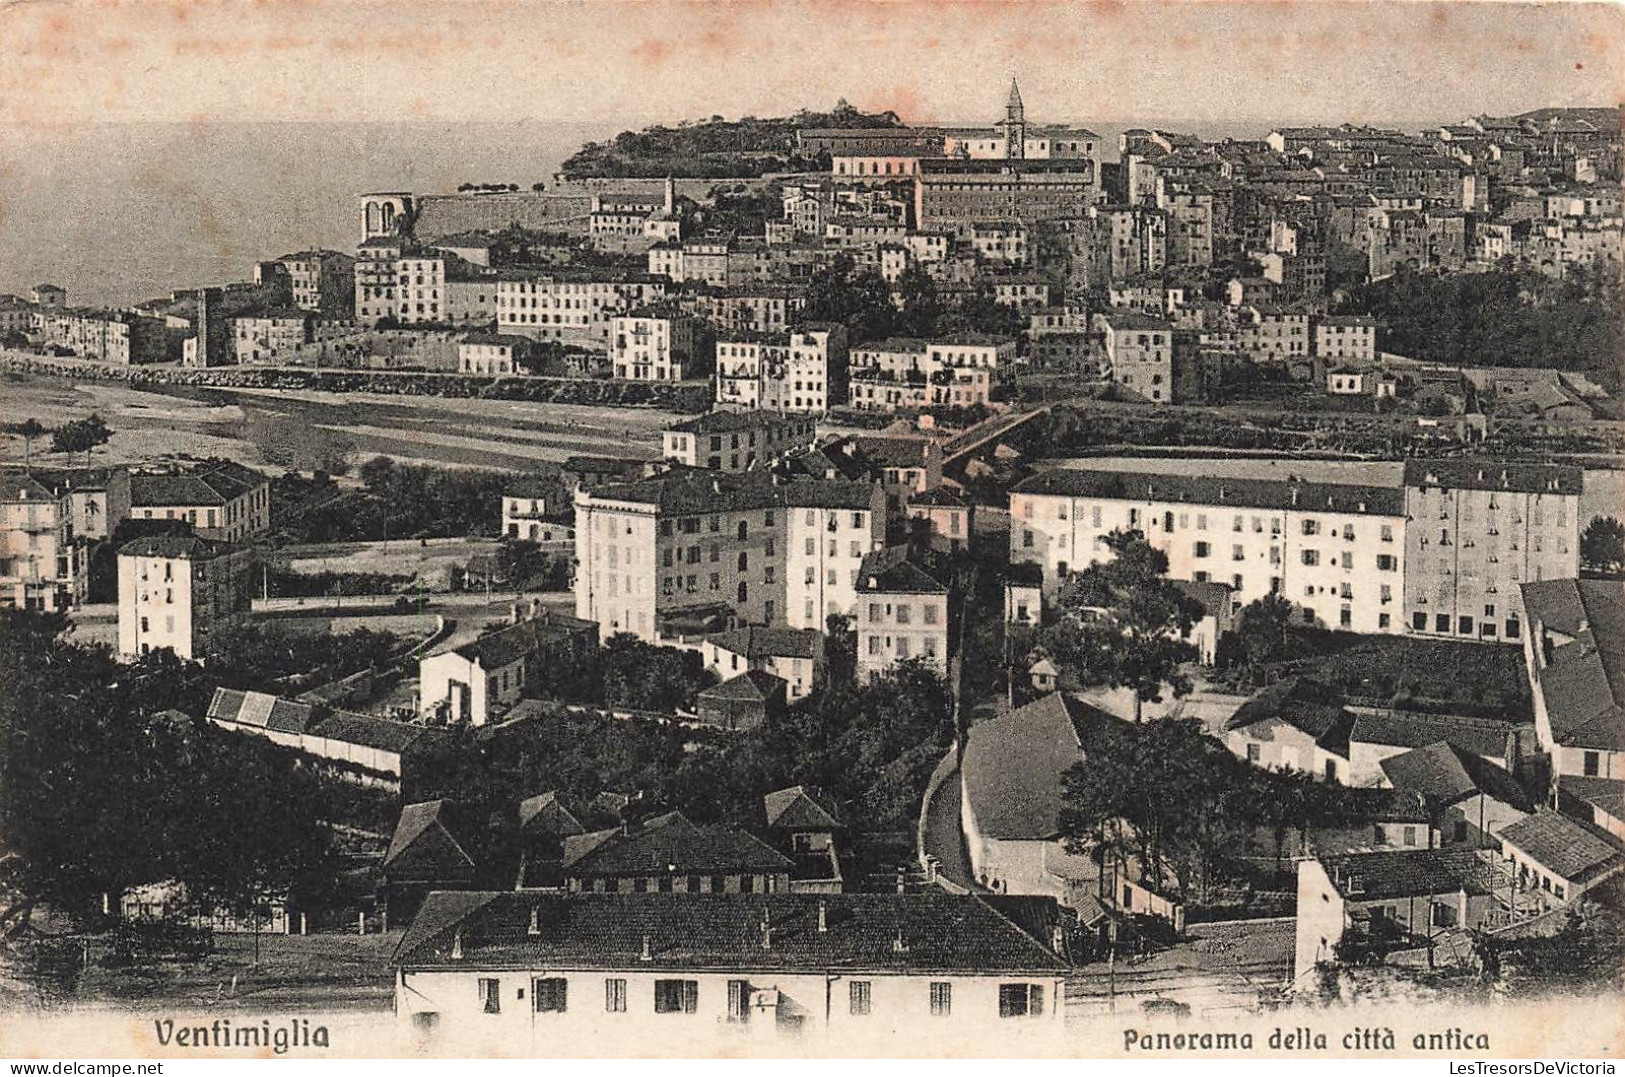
point(1408, 835)
point(1237, 553)
point(1202, 549)
point(550, 994)
point(1255, 752)
point(614, 996)
point(942, 998)
point(490, 995)
point(1387, 562)
point(1311, 557)
point(858, 997)
point(677, 996)
point(1591, 764)
point(1021, 1000)
point(738, 1000)
point(930, 614)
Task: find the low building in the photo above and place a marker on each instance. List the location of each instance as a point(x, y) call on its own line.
point(1294, 724)
point(1573, 654)
point(668, 854)
point(1560, 857)
point(743, 701)
point(1381, 733)
point(1011, 799)
point(738, 440)
point(221, 499)
point(794, 655)
point(354, 747)
point(180, 592)
point(493, 353)
point(478, 681)
point(805, 823)
point(538, 510)
point(1352, 906)
point(1471, 800)
point(1349, 381)
point(540, 972)
point(1218, 617)
point(433, 848)
point(902, 614)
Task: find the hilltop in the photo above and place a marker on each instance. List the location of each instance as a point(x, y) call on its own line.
point(746, 147)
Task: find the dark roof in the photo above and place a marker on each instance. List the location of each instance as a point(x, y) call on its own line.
point(546, 813)
point(695, 491)
point(1207, 490)
point(1409, 729)
point(721, 422)
point(1215, 597)
point(801, 807)
point(1447, 774)
point(423, 848)
point(670, 845)
point(1407, 873)
point(188, 547)
point(890, 571)
point(215, 483)
point(1013, 765)
point(753, 685)
point(20, 486)
point(505, 646)
point(1479, 474)
point(758, 641)
point(1583, 682)
point(940, 497)
point(1568, 847)
point(508, 340)
point(1605, 794)
point(930, 931)
point(265, 711)
point(1307, 706)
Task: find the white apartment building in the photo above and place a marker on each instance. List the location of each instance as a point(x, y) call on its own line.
point(902, 614)
point(177, 592)
point(41, 566)
point(799, 371)
point(570, 310)
point(1346, 338)
point(221, 499)
point(1336, 552)
point(648, 346)
point(900, 373)
point(1140, 353)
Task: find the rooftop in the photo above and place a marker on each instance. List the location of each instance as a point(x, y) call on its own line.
point(1448, 775)
point(801, 807)
point(214, 483)
point(1583, 679)
point(1205, 490)
point(889, 571)
point(1305, 705)
point(670, 844)
point(1568, 847)
point(758, 641)
point(1408, 873)
point(902, 933)
point(1013, 765)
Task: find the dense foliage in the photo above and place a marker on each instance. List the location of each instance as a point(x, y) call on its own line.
point(1504, 317)
point(716, 147)
point(1602, 547)
point(103, 786)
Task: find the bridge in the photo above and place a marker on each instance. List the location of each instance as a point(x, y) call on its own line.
point(986, 432)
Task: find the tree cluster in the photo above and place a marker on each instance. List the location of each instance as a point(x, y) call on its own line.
point(80, 435)
point(103, 787)
point(1602, 547)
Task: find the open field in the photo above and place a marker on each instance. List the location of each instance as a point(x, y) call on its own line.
point(308, 429)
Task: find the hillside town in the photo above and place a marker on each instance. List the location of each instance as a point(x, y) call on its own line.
point(821, 575)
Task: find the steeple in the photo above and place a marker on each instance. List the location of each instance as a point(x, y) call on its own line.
point(1012, 107)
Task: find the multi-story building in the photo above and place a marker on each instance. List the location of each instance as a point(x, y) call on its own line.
point(577, 309)
point(951, 194)
point(1478, 530)
point(650, 344)
point(98, 498)
point(180, 592)
point(1271, 334)
point(106, 336)
point(42, 567)
point(745, 547)
point(220, 499)
point(265, 338)
point(1336, 552)
point(537, 510)
point(902, 614)
point(1002, 242)
point(320, 280)
point(1350, 338)
point(899, 373)
point(493, 353)
point(1139, 353)
point(802, 370)
point(801, 968)
point(738, 440)
point(377, 283)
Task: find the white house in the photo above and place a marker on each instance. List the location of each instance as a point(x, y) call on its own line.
point(557, 973)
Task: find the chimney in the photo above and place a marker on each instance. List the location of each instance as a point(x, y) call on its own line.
point(535, 927)
point(457, 945)
point(645, 955)
point(767, 932)
point(1057, 939)
point(898, 945)
point(823, 919)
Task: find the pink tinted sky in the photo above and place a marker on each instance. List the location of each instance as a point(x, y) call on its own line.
point(397, 59)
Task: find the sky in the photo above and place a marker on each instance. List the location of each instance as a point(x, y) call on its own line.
point(76, 61)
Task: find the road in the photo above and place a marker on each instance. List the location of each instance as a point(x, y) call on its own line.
point(941, 836)
point(1221, 968)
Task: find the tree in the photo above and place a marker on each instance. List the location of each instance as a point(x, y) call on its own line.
point(1602, 546)
point(858, 299)
point(1261, 631)
point(641, 676)
point(921, 306)
point(80, 435)
point(30, 429)
point(1123, 623)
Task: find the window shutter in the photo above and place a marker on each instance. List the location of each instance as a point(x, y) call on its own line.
point(691, 996)
point(1036, 1007)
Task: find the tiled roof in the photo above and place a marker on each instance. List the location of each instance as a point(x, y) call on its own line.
point(1447, 774)
point(723, 422)
point(188, 547)
point(670, 845)
point(801, 807)
point(506, 646)
point(1407, 729)
point(547, 813)
point(1568, 847)
point(753, 685)
point(1305, 705)
point(1207, 490)
point(923, 932)
point(1408, 873)
point(265, 711)
point(215, 483)
point(422, 847)
point(1013, 765)
point(757, 641)
point(1604, 794)
point(1479, 474)
point(889, 571)
point(1583, 681)
point(693, 491)
point(941, 497)
point(21, 486)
